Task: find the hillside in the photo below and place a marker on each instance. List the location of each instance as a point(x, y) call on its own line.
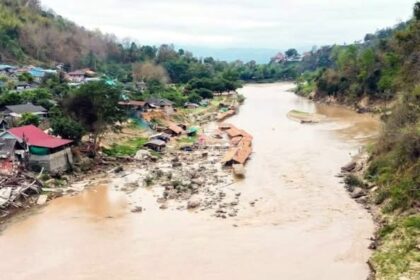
point(30, 34)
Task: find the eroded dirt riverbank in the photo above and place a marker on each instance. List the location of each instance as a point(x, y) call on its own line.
point(295, 220)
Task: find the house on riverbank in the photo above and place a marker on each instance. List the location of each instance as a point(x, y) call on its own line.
point(42, 150)
point(16, 111)
point(156, 145)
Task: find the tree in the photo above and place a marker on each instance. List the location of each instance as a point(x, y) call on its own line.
point(149, 71)
point(29, 119)
point(10, 98)
point(417, 10)
point(25, 77)
point(203, 93)
point(67, 128)
point(95, 106)
point(291, 53)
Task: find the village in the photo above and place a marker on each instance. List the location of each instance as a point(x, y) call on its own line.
point(37, 166)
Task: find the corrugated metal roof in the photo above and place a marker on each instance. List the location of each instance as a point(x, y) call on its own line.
point(36, 137)
point(25, 108)
point(175, 128)
point(132, 103)
point(156, 142)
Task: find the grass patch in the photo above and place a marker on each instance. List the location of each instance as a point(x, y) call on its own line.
point(128, 148)
point(188, 140)
point(398, 254)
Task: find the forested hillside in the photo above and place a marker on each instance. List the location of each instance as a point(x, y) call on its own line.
point(379, 67)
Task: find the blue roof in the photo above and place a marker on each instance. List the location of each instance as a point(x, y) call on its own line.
point(37, 72)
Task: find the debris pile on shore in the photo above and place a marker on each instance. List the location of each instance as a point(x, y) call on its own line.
point(187, 180)
point(17, 191)
point(240, 147)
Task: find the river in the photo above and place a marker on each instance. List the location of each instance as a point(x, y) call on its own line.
point(303, 225)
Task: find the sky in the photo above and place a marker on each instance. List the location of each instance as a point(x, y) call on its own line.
point(227, 24)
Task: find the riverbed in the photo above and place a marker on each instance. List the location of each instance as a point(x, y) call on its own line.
point(295, 219)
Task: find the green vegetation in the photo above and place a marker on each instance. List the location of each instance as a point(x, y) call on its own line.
point(353, 181)
point(94, 107)
point(67, 128)
point(399, 255)
point(29, 119)
point(396, 163)
point(129, 148)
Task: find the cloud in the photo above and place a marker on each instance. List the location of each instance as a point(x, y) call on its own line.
point(236, 23)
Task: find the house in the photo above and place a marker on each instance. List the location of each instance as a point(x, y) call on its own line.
point(158, 103)
point(163, 104)
point(43, 150)
point(133, 105)
point(7, 69)
point(16, 111)
point(79, 76)
point(21, 86)
point(156, 145)
point(173, 129)
point(38, 73)
point(76, 76)
point(190, 105)
point(161, 136)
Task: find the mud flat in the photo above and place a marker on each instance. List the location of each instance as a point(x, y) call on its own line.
point(305, 117)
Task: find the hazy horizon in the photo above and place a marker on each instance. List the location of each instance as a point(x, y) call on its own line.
point(236, 25)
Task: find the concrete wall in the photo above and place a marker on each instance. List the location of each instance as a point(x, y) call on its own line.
point(58, 161)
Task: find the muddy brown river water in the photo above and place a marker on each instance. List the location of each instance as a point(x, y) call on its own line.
point(303, 226)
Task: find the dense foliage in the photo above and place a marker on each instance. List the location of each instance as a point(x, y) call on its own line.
point(377, 68)
point(94, 107)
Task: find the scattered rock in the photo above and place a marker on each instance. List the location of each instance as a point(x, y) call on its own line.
point(142, 155)
point(137, 209)
point(349, 167)
point(118, 169)
point(194, 202)
point(357, 193)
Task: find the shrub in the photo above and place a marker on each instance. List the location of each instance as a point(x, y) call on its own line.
point(29, 119)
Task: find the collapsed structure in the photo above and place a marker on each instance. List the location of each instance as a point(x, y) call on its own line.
point(241, 145)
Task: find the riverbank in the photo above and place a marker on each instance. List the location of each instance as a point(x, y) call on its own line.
point(289, 195)
point(188, 171)
point(396, 240)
